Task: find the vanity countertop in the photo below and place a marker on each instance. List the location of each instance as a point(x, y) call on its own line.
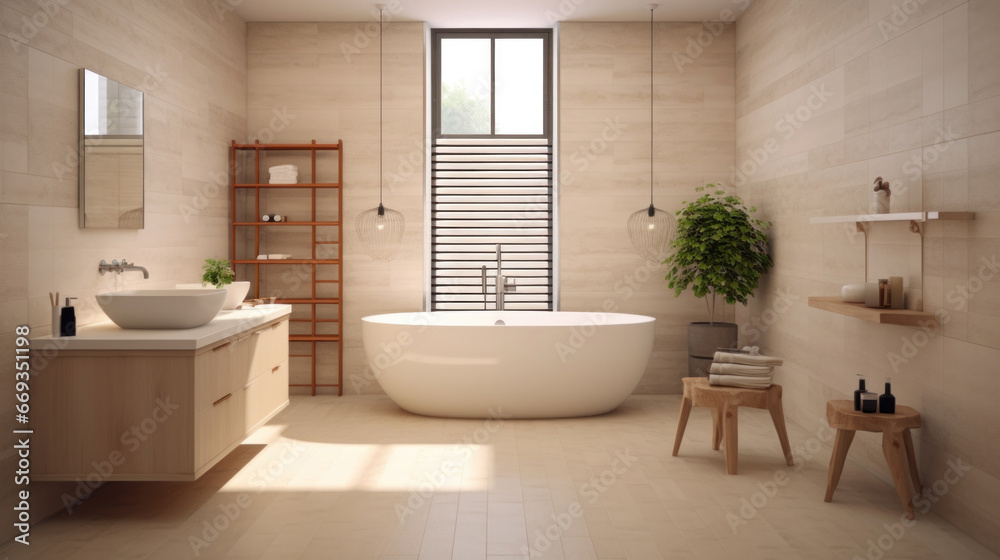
point(105, 335)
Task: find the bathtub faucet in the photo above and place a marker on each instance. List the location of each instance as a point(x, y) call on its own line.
point(501, 284)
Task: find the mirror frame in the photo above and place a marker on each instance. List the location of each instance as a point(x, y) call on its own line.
point(82, 151)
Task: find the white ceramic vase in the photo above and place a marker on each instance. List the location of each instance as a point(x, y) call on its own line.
point(880, 202)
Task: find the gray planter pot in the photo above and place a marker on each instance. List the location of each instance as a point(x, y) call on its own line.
point(704, 339)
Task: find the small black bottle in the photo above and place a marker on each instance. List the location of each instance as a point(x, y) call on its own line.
point(857, 394)
point(887, 401)
point(67, 319)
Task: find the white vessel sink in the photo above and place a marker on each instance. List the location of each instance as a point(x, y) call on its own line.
point(162, 309)
point(236, 291)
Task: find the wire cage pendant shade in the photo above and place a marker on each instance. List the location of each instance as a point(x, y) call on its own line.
point(380, 229)
point(651, 229)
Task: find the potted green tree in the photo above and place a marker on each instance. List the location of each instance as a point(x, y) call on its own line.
point(219, 273)
point(721, 252)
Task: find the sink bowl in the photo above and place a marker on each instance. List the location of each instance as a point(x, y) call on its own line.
point(162, 309)
point(235, 291)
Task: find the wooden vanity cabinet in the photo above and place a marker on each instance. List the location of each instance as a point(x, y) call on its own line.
point(156, 414)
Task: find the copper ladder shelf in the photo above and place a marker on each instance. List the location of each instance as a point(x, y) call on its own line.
point(314, 337)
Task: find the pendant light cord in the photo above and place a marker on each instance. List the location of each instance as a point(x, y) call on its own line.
point(651, 8)
point(380, 107)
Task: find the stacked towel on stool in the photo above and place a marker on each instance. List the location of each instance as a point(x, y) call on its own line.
point(749, 370)
point(284, 174)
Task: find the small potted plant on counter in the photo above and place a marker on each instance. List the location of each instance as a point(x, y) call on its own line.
point(219, 273)
point(721, 250)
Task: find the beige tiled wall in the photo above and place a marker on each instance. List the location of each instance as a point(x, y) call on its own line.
point(873, 85)
point(190, 60)
point(605, 153)
point(324, 79)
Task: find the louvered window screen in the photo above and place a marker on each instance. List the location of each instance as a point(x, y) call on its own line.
point(492, 189)
point(487, 192)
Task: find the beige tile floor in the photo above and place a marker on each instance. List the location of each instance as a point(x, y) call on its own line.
point(356, 477)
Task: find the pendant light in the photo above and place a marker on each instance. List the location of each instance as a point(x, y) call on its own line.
point(380, 229)
point(651, 229)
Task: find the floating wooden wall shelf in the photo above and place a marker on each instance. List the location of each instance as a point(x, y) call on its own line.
point(905, 317)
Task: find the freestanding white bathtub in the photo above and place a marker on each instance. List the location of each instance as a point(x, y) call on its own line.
point(537, 364)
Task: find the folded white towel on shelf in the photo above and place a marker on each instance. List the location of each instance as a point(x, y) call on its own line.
point(741, 369)
point(740, 381)
point(284, 174)
point(746, 359)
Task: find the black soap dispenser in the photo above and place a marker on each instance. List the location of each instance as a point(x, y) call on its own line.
point(67, 319)
point(887, 401)
point(857, 394)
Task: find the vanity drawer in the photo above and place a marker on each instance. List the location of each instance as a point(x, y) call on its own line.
point(277, 393)
point(219, 425)
point(214, 373)
point(275, 346)
point(265, 348)
point(265, 393)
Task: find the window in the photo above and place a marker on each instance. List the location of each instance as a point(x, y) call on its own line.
point(491, 168)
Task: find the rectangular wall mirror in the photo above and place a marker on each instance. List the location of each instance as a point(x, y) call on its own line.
point(111, 154)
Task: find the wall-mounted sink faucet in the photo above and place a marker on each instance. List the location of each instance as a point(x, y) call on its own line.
point(120, 267)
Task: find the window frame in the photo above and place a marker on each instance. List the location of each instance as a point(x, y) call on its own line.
point(550, 134)
point(493, 34)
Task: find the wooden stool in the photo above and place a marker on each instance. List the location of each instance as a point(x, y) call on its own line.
point(724, 402)
point(896, 441)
